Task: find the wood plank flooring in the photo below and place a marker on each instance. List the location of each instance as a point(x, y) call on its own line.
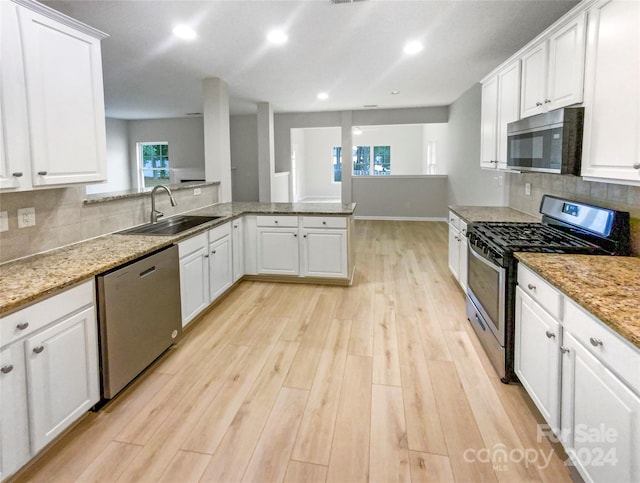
point(382, 381)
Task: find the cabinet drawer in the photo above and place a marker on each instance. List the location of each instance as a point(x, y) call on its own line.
point(288, 221)
point(454, 220)
point(463, 228)
point(611, 349)
point(540, 290)
point(192, 244)
point(219, 232)
point(32, 318)
point(324, 222)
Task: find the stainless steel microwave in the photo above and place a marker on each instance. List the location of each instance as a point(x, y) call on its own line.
point(549, 143)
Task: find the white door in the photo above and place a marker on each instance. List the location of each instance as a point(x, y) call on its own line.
point(325, 253)
point(611, 147)
point(65, 112)
point(62, 375)
point(14, 423)
point(194, 283)
point(454, 251)
point(537, 356)
point(508, 108)
point(278, 251)
point(220, 267)
point(488, 123)
point(238, 248)
point(534, 79)
point(601, 417)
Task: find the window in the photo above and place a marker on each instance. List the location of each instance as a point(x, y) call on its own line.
point(382, 160)
point(363, 164)
point(153, 163)
point(361, 160)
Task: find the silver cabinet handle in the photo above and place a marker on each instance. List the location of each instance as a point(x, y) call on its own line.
point(595, 342)
point(17, 174)
point(38, 349)
point(42, 173)
point(564, 350)
point(6, 369)
point(531, 286)
point(636, 166)
point(22, 325)
point(550, 335)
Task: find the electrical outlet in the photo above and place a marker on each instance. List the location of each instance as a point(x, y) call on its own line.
point(4, 221)
point(26, 217)
point(197, 191)
point(527, 189)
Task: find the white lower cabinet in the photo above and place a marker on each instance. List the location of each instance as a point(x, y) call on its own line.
point(220, 265)
point(237, 236)
point(583, 377)
point(324, 253)
point(278, 251)
point(49, 372)
point(458, 246)
point(194, 276)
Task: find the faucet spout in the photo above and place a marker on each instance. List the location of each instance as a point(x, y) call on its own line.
point(155, 214)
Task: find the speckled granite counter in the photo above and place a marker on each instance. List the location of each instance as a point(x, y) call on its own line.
point(25, 280)
point(607, 287)
point(492, 213)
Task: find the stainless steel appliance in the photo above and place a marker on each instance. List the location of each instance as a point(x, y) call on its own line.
point(567, 227)
point(550, 142)
point(139, 316)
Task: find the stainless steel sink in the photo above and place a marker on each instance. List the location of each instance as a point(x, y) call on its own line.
point(170, 226)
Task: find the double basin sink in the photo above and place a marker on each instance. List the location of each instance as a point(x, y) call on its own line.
point(170, 226)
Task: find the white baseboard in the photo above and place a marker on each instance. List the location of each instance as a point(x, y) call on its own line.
point(401, 218)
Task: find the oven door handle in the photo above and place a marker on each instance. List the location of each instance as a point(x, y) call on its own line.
point(477, 255)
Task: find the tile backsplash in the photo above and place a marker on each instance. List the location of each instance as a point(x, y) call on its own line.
point(617, 196)
point(62, 218)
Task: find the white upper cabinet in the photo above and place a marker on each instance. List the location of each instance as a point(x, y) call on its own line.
point(489, 123)
point(553, 69)
point(58, 63)
point(611, 147)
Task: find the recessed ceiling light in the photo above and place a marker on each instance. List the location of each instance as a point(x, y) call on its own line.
point(184, 32)
point(277, 37)
point(323, 96)
point(413, 47)
point(395, 92)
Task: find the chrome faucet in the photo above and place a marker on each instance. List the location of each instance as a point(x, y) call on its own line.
point(155, 214)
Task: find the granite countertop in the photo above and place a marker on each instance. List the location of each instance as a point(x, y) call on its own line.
point(25, 280)
point(492, 213)
point(607, 287)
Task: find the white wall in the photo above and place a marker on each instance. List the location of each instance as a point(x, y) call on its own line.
point(318, 175)
point(405, 142)
point(118, 167)
point(280, 186)
point(468, 184)
point(244, 157)
point(184, 135)
point(438, 133)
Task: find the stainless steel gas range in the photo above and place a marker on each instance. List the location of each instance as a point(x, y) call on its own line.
point(567, 227)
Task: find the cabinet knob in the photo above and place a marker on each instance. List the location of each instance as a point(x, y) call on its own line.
point(206, 255)
point(42, 173)
point(538, 104)
point(324, 222)
point(531, 286)
point(6, 369)
point(276, 222)
point(550, 335)
point(304, 236)
point(636, 166)
point(295, 235)
point(213, 252)
point(17, 174)
point(564, 350)
point(547, 101)
point(38, 349)
point(595, 342)
point(22, 325)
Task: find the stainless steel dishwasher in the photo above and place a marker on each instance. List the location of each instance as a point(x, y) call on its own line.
point(139, 316)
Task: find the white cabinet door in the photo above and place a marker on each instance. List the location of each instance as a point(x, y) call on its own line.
point(534, 78)
point(278, 251)
point(220, 267)
point(237, 235)
point(600, 418)
point(565, 78)
point(489, 123)
point(537, 356)
point(463, 256)
point(62, 375)
point(508, 108)
point(14, 423)
point(65, 104)
point(194, 282)
point(611, 146)
point(325, 253)
point(454, 251)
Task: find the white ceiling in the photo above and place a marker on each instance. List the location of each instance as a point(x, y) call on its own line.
point(352, 51)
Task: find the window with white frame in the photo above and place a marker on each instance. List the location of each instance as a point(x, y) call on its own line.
point(153, 164)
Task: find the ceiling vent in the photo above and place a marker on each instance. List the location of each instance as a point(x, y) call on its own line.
point(336, 2)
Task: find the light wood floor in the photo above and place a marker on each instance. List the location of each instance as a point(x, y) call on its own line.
point(382, 381)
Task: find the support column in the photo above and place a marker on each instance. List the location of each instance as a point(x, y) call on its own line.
point(217, 141)
point(347, 148)
point(266, 151)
